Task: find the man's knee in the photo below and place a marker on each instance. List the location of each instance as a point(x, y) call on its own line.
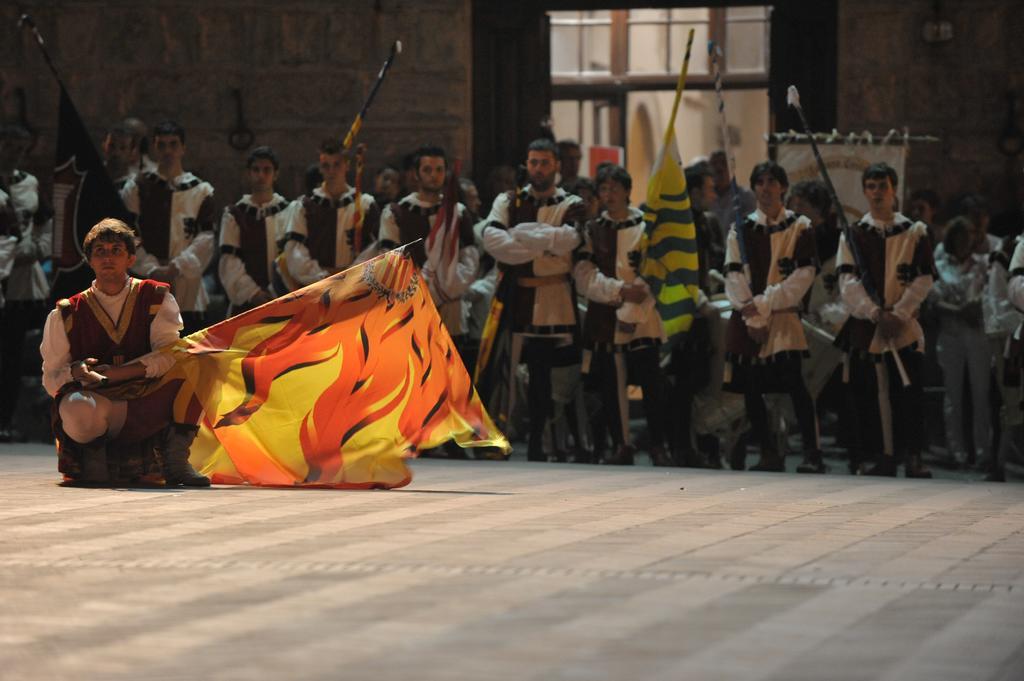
point(82, 417)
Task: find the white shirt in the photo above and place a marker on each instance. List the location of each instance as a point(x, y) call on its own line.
point(861, 306)
point(304, 268)
point(781, 295)
point(27, 281)
point(601, 288)
point(7, 247)
point(190, 255)
point(56, 349)
point(1015, 286)
point(237, 283)
point(448, 275)
point(546, 243)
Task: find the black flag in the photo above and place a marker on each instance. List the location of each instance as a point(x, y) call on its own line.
point(83, 194)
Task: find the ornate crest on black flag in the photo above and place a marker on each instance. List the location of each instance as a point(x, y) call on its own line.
point(83, 194)
point(67, 193)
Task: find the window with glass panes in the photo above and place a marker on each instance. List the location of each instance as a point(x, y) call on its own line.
point(643, 47)
point(581, 42)
point(603, 61)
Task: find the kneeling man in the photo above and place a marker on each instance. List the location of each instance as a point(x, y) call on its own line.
point(112, 416)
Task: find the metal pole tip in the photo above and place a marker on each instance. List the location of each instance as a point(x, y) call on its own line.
point(792, 96)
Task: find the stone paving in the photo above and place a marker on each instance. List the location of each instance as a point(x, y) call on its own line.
point(532, 572)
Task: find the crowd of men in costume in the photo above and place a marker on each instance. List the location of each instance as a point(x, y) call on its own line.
point(561, 254)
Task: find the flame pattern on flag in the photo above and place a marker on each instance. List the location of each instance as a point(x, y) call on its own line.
point(334, 385)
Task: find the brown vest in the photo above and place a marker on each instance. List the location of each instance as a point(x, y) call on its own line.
point(523, 207)
point(758, 242)
point(856, 334)
point(155, 196)
point(322, 227)
point(252, 238)
point(415, 222)
point(601, 320)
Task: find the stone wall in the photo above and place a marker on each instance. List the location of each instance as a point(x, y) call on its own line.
point(890, 77)
point(303, 67)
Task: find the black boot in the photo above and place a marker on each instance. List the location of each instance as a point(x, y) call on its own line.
point(771, 461)
point(489, 454)
point(886, 466)
point(738, 455)
point(812, 463)
point(535, 447)
point(691, 458)
point(532, 455)
point(623, 456)
point(997, 474)
point(581, 455)
point(708, 446)
point(92, 458)
point(172, 449)
point(914, 468)
point(454, 451)
point(659, 456)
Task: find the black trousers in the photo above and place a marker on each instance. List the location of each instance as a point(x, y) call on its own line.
point(540, 356)
point(780, 376)
point(644, 370)
point(906, 402)
point(16, 320)
point(193, 322)
point(690, 368)
point(608, 377)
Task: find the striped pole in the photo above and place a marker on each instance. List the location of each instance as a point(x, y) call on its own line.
point(714, 52)
point(793, 100)
point(357, 226)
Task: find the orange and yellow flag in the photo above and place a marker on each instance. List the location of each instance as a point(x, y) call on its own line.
point(334, 385)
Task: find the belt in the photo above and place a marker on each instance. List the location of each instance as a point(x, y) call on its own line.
point(537, 282)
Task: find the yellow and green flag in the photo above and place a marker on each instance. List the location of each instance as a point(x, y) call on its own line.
point(670, 263)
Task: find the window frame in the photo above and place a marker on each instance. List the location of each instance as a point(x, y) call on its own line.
point(618, 81)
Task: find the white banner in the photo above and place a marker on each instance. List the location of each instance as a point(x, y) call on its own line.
point(845, 163)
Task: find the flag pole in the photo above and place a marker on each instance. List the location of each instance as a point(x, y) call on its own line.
point(793, 100)
point(667, 264)
point(715, 51)
point(27, 20)
point(670, 130)
point(83, 191)
point(357, 124)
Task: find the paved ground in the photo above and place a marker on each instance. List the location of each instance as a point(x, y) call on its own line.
point(526, 572)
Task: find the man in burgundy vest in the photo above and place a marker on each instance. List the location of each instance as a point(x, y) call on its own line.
point(102, 364)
